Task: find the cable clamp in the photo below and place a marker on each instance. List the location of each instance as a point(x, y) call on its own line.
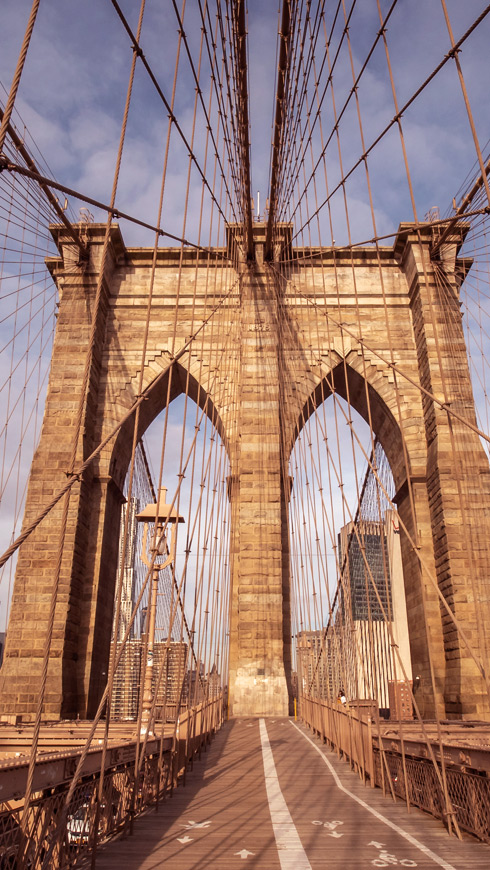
point(73, 475)
point(4, 164)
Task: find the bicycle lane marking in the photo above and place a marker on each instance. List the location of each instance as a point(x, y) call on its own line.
point(292, 855)
point(418, 845)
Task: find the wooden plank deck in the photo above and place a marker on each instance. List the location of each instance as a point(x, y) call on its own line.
point(222, 817)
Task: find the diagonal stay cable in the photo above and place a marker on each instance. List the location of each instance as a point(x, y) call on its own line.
point(139, 51)
point(393, 121)
point(6, 165)
point(22, 150)
point(77, 473)
point(298, 163)
point(221, 85)
point(9, 107)
point(308, 253)
point(203, 105)
point(394, 367)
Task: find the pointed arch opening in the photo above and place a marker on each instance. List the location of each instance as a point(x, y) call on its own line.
point(376, 407)
point(349, 607)
point(170, 620)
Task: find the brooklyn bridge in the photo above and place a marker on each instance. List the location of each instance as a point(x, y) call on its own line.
point(245, 480)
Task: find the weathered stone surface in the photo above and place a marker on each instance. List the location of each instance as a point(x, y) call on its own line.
point(295, 339)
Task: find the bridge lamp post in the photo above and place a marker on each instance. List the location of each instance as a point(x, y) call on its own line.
point(162, 516)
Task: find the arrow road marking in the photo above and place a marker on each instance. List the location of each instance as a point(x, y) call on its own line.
point(414, 842)
point(194, 825)
point(185, 839)
point(244, 854)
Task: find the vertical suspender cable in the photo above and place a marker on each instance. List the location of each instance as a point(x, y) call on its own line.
point(278, 123)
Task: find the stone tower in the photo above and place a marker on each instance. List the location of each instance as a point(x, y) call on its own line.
point(404, 388)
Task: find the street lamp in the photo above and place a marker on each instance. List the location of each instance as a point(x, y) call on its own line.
point(162, 516)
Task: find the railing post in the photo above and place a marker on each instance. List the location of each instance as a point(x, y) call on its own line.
point(372, 773)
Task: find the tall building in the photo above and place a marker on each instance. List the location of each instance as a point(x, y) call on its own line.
point(127, 564)
point(127, 681)
point(319, 670)
point(172, 687)
point(214, 687)
point(170, 679)
point(312, 663)
point(372, 609)
point(365, 541)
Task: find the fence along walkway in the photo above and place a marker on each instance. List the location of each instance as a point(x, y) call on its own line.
point(443, 771)
point(307, 811)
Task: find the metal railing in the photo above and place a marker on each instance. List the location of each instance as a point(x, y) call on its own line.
point(58, 837)
point(399, 768)
point(469, 792)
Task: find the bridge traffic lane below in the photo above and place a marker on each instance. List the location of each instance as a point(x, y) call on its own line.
point(267, 795)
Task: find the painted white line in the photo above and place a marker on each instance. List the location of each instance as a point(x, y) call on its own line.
point(292, 856)
point(418, 845)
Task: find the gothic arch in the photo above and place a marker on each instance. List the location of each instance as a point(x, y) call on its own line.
point(375, 402)
point(162, 390)
point(373, 396)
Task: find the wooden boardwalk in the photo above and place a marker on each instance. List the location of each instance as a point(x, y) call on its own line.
point(307, 810)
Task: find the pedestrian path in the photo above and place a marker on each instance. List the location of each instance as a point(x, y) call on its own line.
point(268, 795)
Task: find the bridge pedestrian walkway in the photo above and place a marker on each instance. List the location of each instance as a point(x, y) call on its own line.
point(268, 795)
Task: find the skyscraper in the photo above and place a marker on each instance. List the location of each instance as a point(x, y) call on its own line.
point(373, 609)
point(126, 564)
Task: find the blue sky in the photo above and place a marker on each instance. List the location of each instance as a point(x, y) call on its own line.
point(73, 89)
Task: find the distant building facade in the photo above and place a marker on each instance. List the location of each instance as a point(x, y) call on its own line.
point(214, 687)
point(127, 565)
point(170, 679)
point(318, 663)
point(373, 609)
